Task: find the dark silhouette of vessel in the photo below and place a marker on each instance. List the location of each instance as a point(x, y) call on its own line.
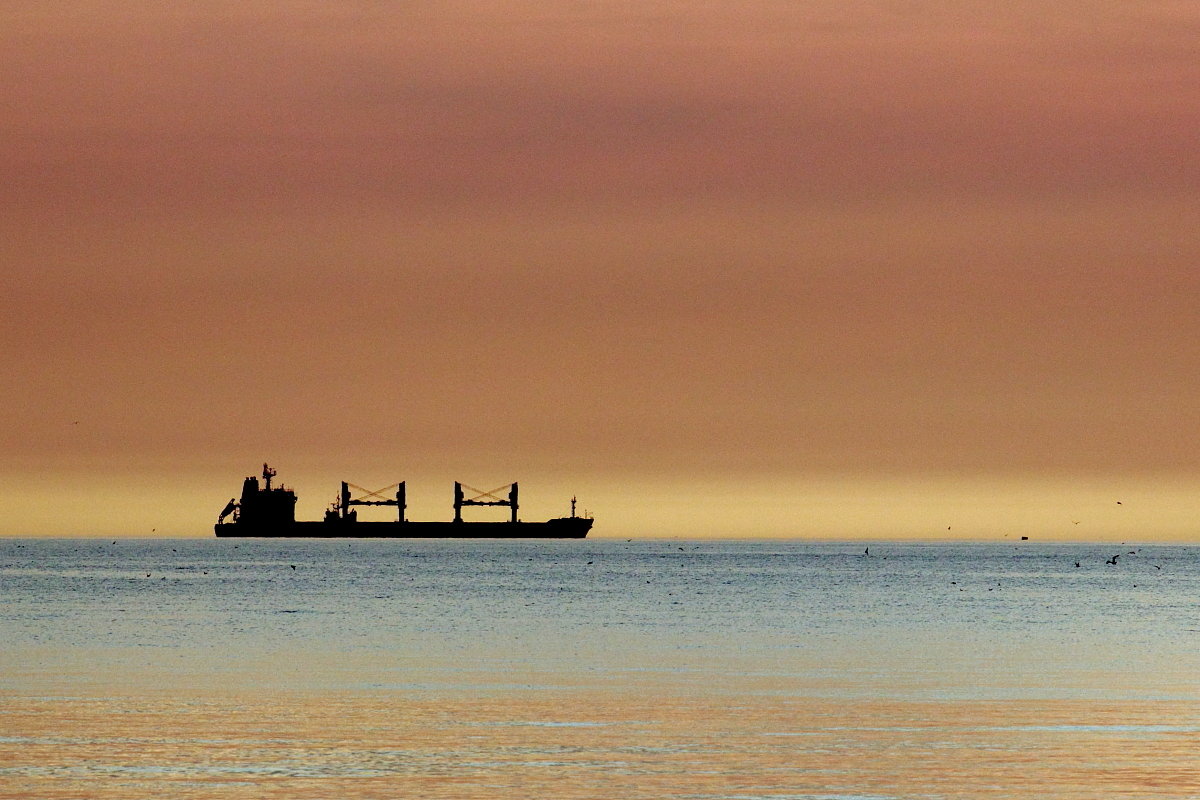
point(270, 511)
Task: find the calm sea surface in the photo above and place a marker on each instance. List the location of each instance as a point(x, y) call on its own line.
point(597, 669)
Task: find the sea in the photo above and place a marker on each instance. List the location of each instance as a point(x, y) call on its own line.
point(602, 668)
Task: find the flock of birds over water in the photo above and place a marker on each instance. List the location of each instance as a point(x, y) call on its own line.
point(1112, 561)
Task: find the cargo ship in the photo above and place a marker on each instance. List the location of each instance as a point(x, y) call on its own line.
point(270, 511)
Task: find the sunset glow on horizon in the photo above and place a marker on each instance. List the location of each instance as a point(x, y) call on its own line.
point(852, 269)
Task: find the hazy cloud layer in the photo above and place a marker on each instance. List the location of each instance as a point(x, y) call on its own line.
point(608, 238)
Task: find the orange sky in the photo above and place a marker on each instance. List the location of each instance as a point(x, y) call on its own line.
point(707, 256)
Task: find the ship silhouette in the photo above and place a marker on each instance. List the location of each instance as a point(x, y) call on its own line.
point(270, 511)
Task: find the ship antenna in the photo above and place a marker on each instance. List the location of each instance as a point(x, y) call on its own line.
point(572, 506)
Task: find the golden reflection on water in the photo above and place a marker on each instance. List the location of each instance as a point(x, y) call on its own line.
point(650, 741)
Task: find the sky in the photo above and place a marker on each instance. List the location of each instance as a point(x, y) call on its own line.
point(841, 269)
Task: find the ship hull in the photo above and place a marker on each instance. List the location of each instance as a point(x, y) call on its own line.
point(564, 528)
